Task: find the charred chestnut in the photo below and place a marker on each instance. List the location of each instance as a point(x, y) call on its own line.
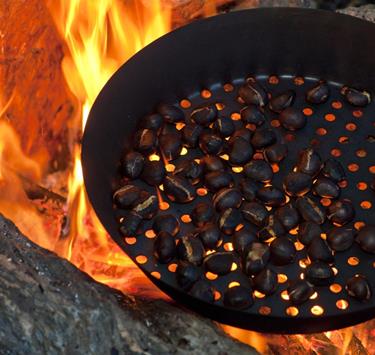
point(152, 121)
point(217, 180)
point(146, 206)
point(202, 214)
point(224, 126)
point(318, 94)
point(254, 212)
point(308, 231)
point(341, 212)
point(241, 132)
point(190, 170)
point(326, 188)
point(130, 224)
point(226, 198)
point(126, 196)
point(333, 170)
point(292, 119)
point(366, 239)
point(190, 249)
point(210, 142)
point(319, 274)
point(256, 258)
point(164, 247)
point(271, 196)
point(281, 102)
point(178, 189)
point(229, 219)
point(145, 140)
point(166, 223)
point(211, 163)
point(310, 210)
point(283, 251)
point(252, 93)
point(187, 274)
point(288, 216)
point(170, 145)
point(356, 97)
point(132, 164)
point(341, 239)
point(210, 235)
point(204, 115)
point(263, 137)
point(266, 282)
point(276, 152)
point(153, 172)
point(219, 263)
point(170, 113)
point(297, 184)
point(359, 288)
point(309, 162)
point(238, 297)
point(202, 289)
point(299, 291)
point(249, 189)
point(272, 229)
point(252, 114)
point(258, 170)
point(242, 240)
point(319, 250)
point(240, 151)
point(190, 134)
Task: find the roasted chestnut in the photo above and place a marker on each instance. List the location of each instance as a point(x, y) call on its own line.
point(254, 212)
point(153, 172)
point(190, 134)
point(203, 290)
point(226, 198)
point(252, 114)
point(318, 94)
point(219, 263)
point(333, 170)
point(229, 219)
point(252, 93)
point(238, 297)
point(224, 126)
point(170, 113)
point(126, 196)
point(341, 239)
point(164, 247)
point(326, 188)
point(356, 97)
point(288, 216)
point(308, 231)
point(319, 273)
point(216, 180)
point(318, 249)
point(310, 210)
point(240, 151)
point(170, 145)
point(297, 184)
point(190, 249)
point(299, 291)
point(256, 258)
point(166, 223)
point(283, 251)
point(146, 206)
point(211, 163)
point(276, 152)
point(202, 214)
point(266, 281)
point(210, 142)
point(280, 102)
point(366, 239)
point(145, 140)
point(178, 189)
point(258, 170)
point(309, 162)
point(359, 288)
point(152, 121)
point(249, 189)
point(292, 119)
point(210, 235)
point(130, 224)
point(187, 274)
point(271, 196)
point(263, 137)
point(341, 212)
point(242, 240)
point(204, 115)
point(132, 164)
point(272, 229)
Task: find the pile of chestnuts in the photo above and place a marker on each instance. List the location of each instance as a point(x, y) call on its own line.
point(268, 225)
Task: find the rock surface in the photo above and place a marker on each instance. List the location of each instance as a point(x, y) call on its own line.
point(48, 306)
point(366, 12)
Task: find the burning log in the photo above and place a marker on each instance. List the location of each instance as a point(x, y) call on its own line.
point(48, 305)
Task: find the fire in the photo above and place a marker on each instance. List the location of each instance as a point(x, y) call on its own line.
point(101, 36)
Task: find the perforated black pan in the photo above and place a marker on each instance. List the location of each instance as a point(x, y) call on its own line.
point(208, 54)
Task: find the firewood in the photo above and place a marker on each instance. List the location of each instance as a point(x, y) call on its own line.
point(49, 306)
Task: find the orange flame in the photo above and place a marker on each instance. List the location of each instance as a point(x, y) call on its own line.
point(101, 36)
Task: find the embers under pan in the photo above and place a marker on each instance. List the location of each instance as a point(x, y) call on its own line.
point(195, 63)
